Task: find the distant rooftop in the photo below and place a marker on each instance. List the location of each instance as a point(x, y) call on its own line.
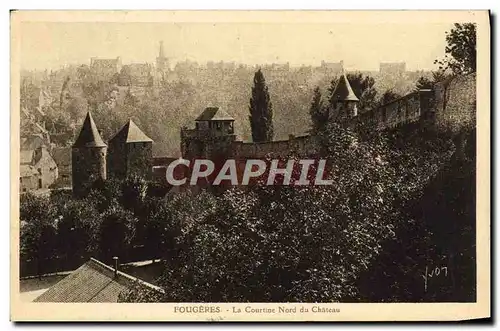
point(214, 114)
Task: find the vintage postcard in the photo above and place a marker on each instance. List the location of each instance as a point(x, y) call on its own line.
point(250, 165)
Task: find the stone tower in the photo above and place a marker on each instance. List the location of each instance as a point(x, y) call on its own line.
point(212, 137)
point(344, 99)
point(130, 153)
point(88, 158)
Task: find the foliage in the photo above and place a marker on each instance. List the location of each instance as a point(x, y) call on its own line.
point(282, 243)
point(38, 230)
point(133, 192)
point(261, 110)
point(387, 97)
point(116, 232)
point(77, 229)
point(318, 113)
point(429, 83)
point(460, 50)
point(438, 222)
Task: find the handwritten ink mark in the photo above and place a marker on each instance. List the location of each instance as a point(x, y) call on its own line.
point(434, 273)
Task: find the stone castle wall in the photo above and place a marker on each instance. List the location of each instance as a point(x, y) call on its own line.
point(407, 109)
point(303, 145)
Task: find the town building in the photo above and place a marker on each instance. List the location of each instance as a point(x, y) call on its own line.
point(38, 170)
point(105, 69)
point(331, 68)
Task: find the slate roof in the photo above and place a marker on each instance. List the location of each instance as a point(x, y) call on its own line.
point(89, 135)
point(130, 133)
point(92, 282)
point(214, 114)
point(343, 90)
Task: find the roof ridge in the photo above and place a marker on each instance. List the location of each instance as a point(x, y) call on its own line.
point(125, 275)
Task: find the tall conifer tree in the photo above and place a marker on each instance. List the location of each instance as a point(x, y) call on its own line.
point(261, 110)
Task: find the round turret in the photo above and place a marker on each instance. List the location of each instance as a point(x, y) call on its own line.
point(88, 158)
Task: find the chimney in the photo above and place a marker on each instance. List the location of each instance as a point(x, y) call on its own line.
point(115, 258)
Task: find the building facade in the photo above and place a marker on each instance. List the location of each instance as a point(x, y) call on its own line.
point(38, 169)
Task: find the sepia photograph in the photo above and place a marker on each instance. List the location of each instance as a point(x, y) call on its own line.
point(250, 165)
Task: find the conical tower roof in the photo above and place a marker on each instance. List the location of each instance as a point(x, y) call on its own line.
point(130, 133)
point(89, 135)
point(343, 91)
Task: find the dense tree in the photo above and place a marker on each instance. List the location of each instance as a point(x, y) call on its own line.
point(261, 110)
point(318, 113)
point(77, 230)
point(124, 77)
point(161, 230)
point(130, 100)
point(133, 193)
point(460, 49)
point(424, 83)
point(84, 74)
point(116, 233)
point(429, 83)
point(282, 243)
point(38, 230)
point(387, 97)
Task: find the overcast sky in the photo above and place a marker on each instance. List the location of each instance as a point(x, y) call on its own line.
point(361, 46)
